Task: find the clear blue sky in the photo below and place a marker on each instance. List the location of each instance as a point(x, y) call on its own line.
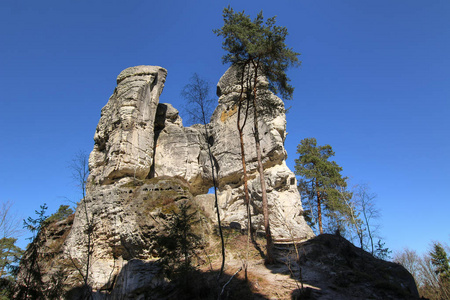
point(374, 84)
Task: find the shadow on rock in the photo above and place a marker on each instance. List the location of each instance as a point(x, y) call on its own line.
point(330, 266)
point(142, 280)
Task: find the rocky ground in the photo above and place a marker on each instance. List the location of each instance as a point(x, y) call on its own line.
point(329, 267)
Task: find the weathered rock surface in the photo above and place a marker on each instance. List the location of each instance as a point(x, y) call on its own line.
point(145, 164)
point(335, 269)
point(283, 198)
point(126, 217)
point(144, 159)
point(139, 138)
point(180, 150)
point(124, 141)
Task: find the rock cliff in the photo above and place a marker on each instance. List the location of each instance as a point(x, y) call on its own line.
point(145, 164)
point(144, 155)
point(281, 185)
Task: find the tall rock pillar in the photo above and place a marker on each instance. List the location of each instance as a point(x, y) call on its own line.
point(124, 143)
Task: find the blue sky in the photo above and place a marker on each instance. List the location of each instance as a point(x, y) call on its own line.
point(374, 84)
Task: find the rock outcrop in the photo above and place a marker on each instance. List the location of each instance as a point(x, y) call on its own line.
point(138, 137)
point(144, 155)
point(124, 144)
point(281, 185)
point(145, 164)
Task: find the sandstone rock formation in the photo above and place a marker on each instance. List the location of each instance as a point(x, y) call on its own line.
point(138, 137)
point(144, 165)
point(141, 140)
point(124, 144)
point(284, 200)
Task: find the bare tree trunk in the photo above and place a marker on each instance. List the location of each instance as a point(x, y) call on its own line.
point(197, 93)
point(244, 165)
point(319, 210)
point(216, 204)
point(80, 172)
point(369, 231)
point(269, 242)
point(353, 217)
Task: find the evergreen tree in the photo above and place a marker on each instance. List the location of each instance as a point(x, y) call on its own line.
point(320, 181)
point(440, 260)
point(177, 244)
point(441, 264)
point(31, 285)
point(257, 49)
point(9, 253)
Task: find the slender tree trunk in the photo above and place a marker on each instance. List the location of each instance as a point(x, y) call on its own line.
point(319, 210)
point(246, 194)
point(368, 229)
point(241, 139)
point(269, 242)
point(244, 165)
point(216, 204)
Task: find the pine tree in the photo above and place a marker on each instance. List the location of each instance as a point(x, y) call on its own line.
point(320, 181)
point(257, 49)
point(440, 260)
point(9, 253)
point(441, 263)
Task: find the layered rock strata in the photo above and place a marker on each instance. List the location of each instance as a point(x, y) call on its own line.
point(144, 157)
point(145, 165)
point(124, 141)
point(285, 207)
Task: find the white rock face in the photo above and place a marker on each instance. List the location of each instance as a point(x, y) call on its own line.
point(180, 150)
point(283, 198)
point(143, 158)
point(124, 135)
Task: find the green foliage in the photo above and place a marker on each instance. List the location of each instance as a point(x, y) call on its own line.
point(31, 285)
point(381, 251)
point(261, 44)
point(178, 242)
point(430, 271)
point(320, 181)
point(440, 260)
point(257, 48)
point(9, 253)
point(35, 225)
point(63, 212)
point(9, 256)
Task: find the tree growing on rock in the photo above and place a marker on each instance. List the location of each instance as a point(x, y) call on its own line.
point(80, 172)
point(199, 108)
point(320, 181)
point(177, 244)
point(30, 284)
point(258, 50)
